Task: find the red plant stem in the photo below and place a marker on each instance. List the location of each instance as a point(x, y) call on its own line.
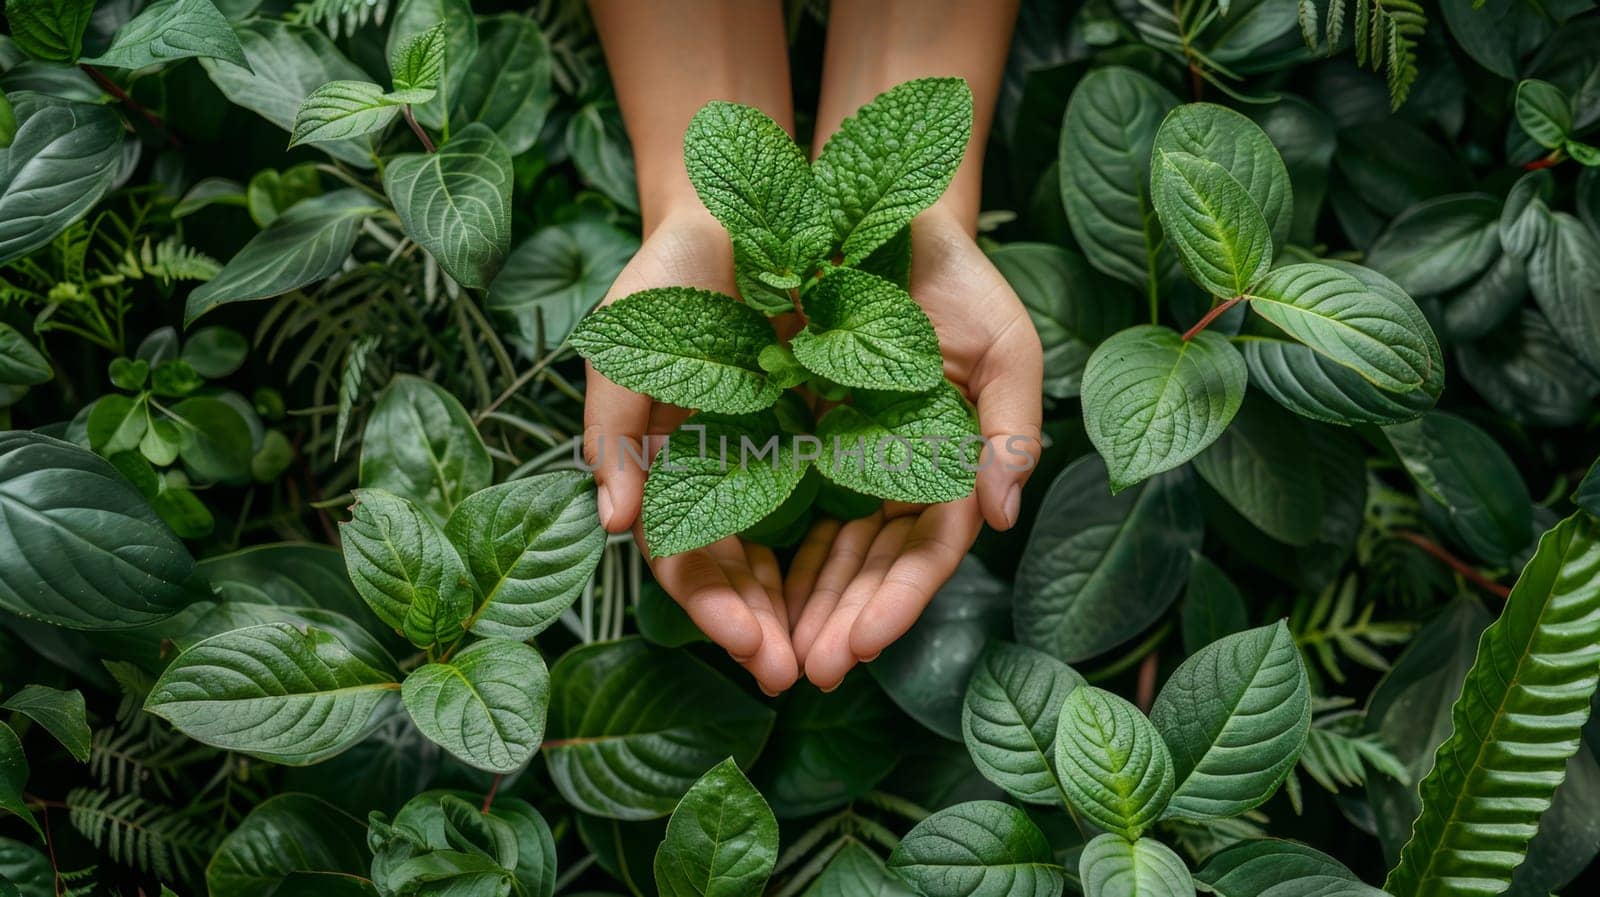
point(488, 799)
point(1549, 161)
point(1462, 567)
point(1210, 316)
point(427, 142)
point(116, 90)
point(1146, 693)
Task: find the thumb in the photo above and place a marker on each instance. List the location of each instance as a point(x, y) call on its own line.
point(1009, 394)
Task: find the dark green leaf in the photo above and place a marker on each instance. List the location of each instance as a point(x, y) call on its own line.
point(62, 160)
point(456, 203)
point(1564, 276)
point(14, 778)
point(1010, 716)
point(215, 352)
point(978, 849)
point(172, 29)
point(599, 148)
point(1251, 868)
point(1544, 112)
point(1221, 135)
point(507, 84)
point(420, 444)
point(1259, 467)
point(289, 834)
point(21, 363)
point(216, 440)
point(722, 840)
point(553, 278)
point(1438, 245)
point(1464, 470)
point(855, 871)
point(416, 17)
point(830, 749)
point(61, 713)
point(1212, 606)
point(1073, 307)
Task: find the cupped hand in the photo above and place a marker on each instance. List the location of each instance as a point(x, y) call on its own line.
point(731, 589)
point(853, 588)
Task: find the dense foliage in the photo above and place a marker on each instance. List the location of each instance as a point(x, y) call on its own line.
point(302, 586)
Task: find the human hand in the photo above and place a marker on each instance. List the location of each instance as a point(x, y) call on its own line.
point(854, 588)
point(731, 589)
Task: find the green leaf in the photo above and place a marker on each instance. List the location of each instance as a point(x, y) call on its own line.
point(1113, 867)
point(8, 123)
point(1587, 495)
point(340, 110)
point(855, 871)
point(291, 574)
point(1234, 715)
point(552, 279)
point(615, 750)
point(1009, 720)
point(116, 423)
point(981, 848)
point(21, 363)
point(61, 713)
point(1343, 319)
point(536, 846)
point(1219, 134)
point(306, 244)
point(531, 545)
point(1251, 868)
point(865, 332)
point(1517, 721)
point(892, 159)
point(1436, 246)
point(918, 447)
point(51, 30)
point(405, 568)
point(420, 444)
point(81, 548)
point(1212, 606)
point(416, 63)
point(1112, 762)
point(288, 835)
point(172, 29)
point(755, 180)
point(718, 474)
point(1258, 467)
point(215, 352)
point(722, 840)
point(228, 616)
point(14, 778)
point(415, 17)
point(1219, 231)
point(275, 691)
point(62, 160)
point(683, 346)
point(830, 748)
point(1564, 277)
point(216, 440)
point(485, 705)
point(456, 203)
point(1544, 112)
point(598, 144)
point(507, 84)
point(1465, 471)
point(1152, 400)
point(1106, 141)
point(1099, 568)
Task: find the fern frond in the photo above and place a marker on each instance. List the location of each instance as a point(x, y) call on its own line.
point(1328, 628)
point(170, 261)
point(338, 17)
point(134, 832)
point(78, 882)
point(355, 369)
point(1335, 757)
point(1385, 37)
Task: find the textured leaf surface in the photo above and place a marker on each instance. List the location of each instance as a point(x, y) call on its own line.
point(615, 750)
point(49, 29)
point(1250, 868)
point(288, 835)
point(405, 568)
point(1010, 716)
point(1112, 762)
point(978, 849)
point(1439, 245)
point(485, 705)
point(172, 29)
point(456, 203)
point(417, 61)
point(340, 110)
point(1113, 867)
point(917, 447)
point(1234, 716)
point(1217, 228)
point(1465, 470)
point(61, 713)
point(61, 161)
point(1221, 135)
point(421, 444)
point(1153, 400)
point(855, 871)
point(274, 691)
point(507, 84)
point(1544, 112)
point(1517, 721)
point(722, 840)
point(684, 346)
point(864, 331)
point(892, 159)
point(415, 17)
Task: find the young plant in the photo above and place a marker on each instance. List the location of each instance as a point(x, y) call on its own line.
point(831, 241)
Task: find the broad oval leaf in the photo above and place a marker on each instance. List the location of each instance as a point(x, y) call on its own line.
point(1099, 567)
point(456, 203)
point(1152, 400)
point(981, 848)
point(14, 779)
point(21, 362)
point(275, 691)
point(1073, 307)
point(1010, 716)
point(61, 161)
point(722, 840)
point(552, 279)
point(485, 704)
point(1251, 868)
point(288, 835)
point(61, 713)
point(830, 748)
point(172, 29)
point(855, 871)
point(1544, 112)
point(1113, 867)
point(916, 447)
point(1564, 277)
point(406, 569)
point(1472, 478)
point(1221, 135)
point(1219, 231)
point(865, 332)
point(1234, 715)
point(1112, 762)
point(49, 29)
point(531, 546)
point(683, 346)
point(79, 547)
point(290, 574)
point(507, 84)
point(1259, 467)
point(1440, 244)
point(614, 750)
point(340, 110)
point(420, 444)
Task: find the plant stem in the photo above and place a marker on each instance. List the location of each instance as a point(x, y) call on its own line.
point(122, 96)
point(1466, 570)
point(1549, 161)
point(427, 142)
point(488, 799)
point(1216, 312)
point(1146, 691)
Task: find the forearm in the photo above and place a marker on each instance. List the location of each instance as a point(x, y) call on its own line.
point(667, 59)
point(876, 44)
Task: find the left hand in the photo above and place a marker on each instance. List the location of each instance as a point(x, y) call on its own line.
point(854, 588)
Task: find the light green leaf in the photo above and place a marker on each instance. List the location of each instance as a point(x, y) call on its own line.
point(63, 159)
point(1152, 400)
point(1259, 468)
point(406, 570)
point(307, 243)
point(855, 871)
point(1234, 716)
point(288, 835)
point(1544, 112)
point(1009, 719)
point(275, 691)
point(116, 423)
point(1112, 762)
point(719, 474)
point(1113, 867)
point(892, 159)
point(14, 778)
point(415, 17)
point(1219, 231)
point(485, 705)
point(1343, 319)
point(21, 363)
point(615, 750)
point(919, 447)
point(51, 30)
point(416, 63)
point(722, 840)
point(1463, 469)
point(340, 110)
point(172, 29)
point(456, 203)
point(420, 444)
point(61, 713)
point(507, 84)
point(683, 346)
point(1519, 717)
point(864, 331)
point(755, 180)
point(552, 279)
point(531, 545)
point(1219, 134)
point(982, 848)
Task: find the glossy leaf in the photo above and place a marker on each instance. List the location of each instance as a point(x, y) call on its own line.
point(1564, 277)
point(1112, 867)
point(1544, 112)
point(456, 203)
point(722, 840)
point(167, 30)
point(1212, 606)
point(406, 569)
point(21, 363)
point(978, 849)
point(14, 778)
point(507, 83)
point(1258, 467)
point(555, 277)
point(1073, 307)
point(1438, 245)
point(61, 161)
point(340, 110)
point(416, 17)
point(1223, 136)
point(855, 871)
point(1252, 868)
point(421, 444)
point(288, 835)
point(1009, 719)
point(61, 713)
point(1112, 762)
point(1218, 230)
point(1465, 471)
point(485, 704)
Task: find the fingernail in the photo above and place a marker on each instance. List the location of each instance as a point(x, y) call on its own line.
point(829, 690)
point(1013, 506)
point(770, 694)
point(872, 658)
point(738, 659)
point(604, 502)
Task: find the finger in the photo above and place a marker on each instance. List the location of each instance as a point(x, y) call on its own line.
point(764, 564)
point(830, 657)
point(1008, 386)
point(697, 582)
point(773, 665)
point(614, 425)
point(805, 566)
point(845, 557)
point(932, 551)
